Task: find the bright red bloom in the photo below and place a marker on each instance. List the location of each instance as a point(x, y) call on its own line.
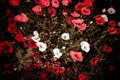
point(55, 3)
point(32, 43)
point(14, 2)
point(19, 38)
point(12, 28)
point(21, 18)
point(85, 11)
point(107, 49)
point(78, 6)
point(75, 14)
point(112, 23)
point(45, 3)
point(7, 46)
point(99, 20)
point(88, 3)
point(37, 9)
point(112, 30)
point(82, 76)
point(77, 56)
point(79, 24)
point(55, 70)
point(62, 70)
point(94, 61)
point(52, 11)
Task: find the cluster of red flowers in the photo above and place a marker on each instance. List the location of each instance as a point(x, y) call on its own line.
point(47, 65)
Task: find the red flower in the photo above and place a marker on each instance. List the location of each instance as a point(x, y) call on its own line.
point(45, 3)
point(19, 38)
point(7, 46)
point(43, 76)
point(79, 24)
point(112, 30)
point(82, 76)
point(69, 20)
point(55, 70)
point(75, 14)
point(14, 2)
point(62, 70)
point(52, 11)
point(85, 11)
point(112, 23)
point(1, 47)
point(21, 18)
point(88, 3)
point(76, 56)
point(107, 49)
point(37, 9)
point(12, 28)
point(78, 6)
point(55, 3)
point(118, 31)
point(94, 61)
point(65, 12)
point(32, 43)
point(99, 20)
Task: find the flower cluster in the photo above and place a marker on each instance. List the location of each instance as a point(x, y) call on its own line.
point(57, 39)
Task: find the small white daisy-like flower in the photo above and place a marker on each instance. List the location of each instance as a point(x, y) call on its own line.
point(91, 22)
point(118, 24)
point(104, 10)
point(35, 33)
point(111, 10)
point(42, 46)
point(57, 53)
point(63, 47)
point(35, 38)
point(104, 16)
point(65, 36)
point(85, 46)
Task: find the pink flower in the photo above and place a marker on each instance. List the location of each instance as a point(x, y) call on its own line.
point(52, 11)
point(65, 12)
point(79, 24)
point(75, 14)
point(112, 30)
point(69, 20)
point(66, 2)
point(77, 56)
point(21, 18)
point(55, 3)
point(37, 9)
point(107, 49)
point(45, 3)
point(85, 11)
point(14, 2)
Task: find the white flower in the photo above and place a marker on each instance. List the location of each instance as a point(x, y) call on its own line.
point(85, 46)
point(35, 38)
point(104, 10)
point(42, 46)
point(65, 36)
point(111, 10)
point(57, 53)
point(105, 17)
point(118, 24)
point(35, 33)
